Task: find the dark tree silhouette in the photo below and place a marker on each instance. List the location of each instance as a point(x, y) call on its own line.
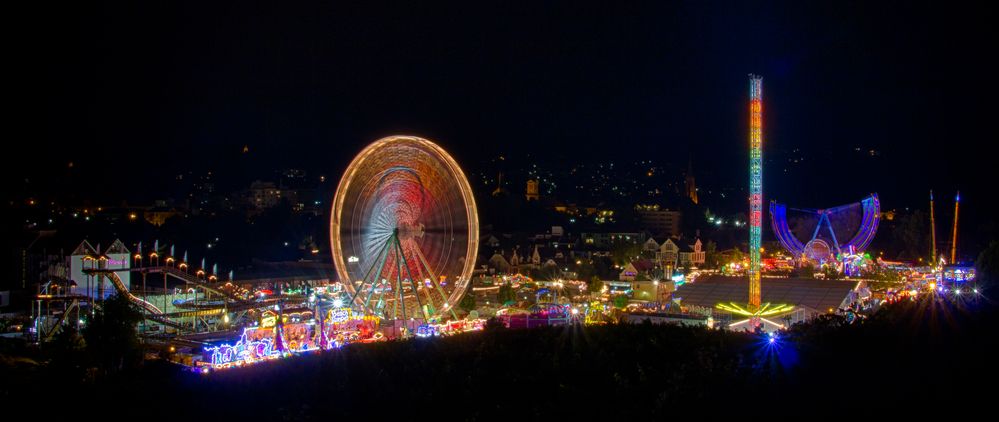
point(112, 341)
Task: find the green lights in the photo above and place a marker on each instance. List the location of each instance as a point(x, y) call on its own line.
point(765, 310)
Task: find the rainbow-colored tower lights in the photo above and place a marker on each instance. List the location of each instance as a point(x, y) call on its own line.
point(933, 234)
point(755, 188)
point(953, 242)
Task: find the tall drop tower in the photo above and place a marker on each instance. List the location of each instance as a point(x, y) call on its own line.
point(953, 242)
point(755, 188)
point(933, 234)
point(755, 311)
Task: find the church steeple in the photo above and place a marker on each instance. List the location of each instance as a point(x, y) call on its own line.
point(531, 193)
point(691, 187)
point(499, 186)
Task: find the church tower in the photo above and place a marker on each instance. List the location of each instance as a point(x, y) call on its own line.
point(499, 186)
point(691, 187)
point(532, 190)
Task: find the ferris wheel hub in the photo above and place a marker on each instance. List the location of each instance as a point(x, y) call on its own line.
point(407, 231)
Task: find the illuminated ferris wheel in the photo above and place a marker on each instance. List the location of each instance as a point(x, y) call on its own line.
point(404, 230)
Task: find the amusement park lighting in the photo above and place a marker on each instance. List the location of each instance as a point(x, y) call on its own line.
point(975, 291)
point(337, 303)
point(765, 310)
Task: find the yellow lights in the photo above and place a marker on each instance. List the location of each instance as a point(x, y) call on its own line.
point(431, 163)
point(268, 321)
point(133, 216)
point(765, 310)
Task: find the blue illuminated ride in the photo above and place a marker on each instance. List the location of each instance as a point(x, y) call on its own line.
point(825, 229)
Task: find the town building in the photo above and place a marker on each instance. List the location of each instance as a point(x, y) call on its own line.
point(658, 220)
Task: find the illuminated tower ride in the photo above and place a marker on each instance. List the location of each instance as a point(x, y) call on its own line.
point(755, 311)
point(933, 234)
point(953, 242)
point(755, 188)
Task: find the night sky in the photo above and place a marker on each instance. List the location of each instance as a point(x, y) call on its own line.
point(140, 91)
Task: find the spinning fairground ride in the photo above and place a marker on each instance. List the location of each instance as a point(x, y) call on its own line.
point(404, 230)
point(824, 235)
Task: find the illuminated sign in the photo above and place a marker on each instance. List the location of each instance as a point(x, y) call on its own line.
point(426, 330)
point(244, 351)
point(268, 321)
point(338, 315)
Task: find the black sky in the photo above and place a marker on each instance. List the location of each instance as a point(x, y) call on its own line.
point(147, 88)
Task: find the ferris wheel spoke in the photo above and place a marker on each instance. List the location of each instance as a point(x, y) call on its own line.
point(433, 280)
point(398, 264)
point(381, 269)
point(360, 287)
point(416, 289)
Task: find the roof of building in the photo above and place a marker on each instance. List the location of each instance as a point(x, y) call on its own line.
point(643, 265)
point(819, 295)
point(265, 272)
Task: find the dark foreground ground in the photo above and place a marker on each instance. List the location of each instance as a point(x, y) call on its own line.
point(934, 354)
